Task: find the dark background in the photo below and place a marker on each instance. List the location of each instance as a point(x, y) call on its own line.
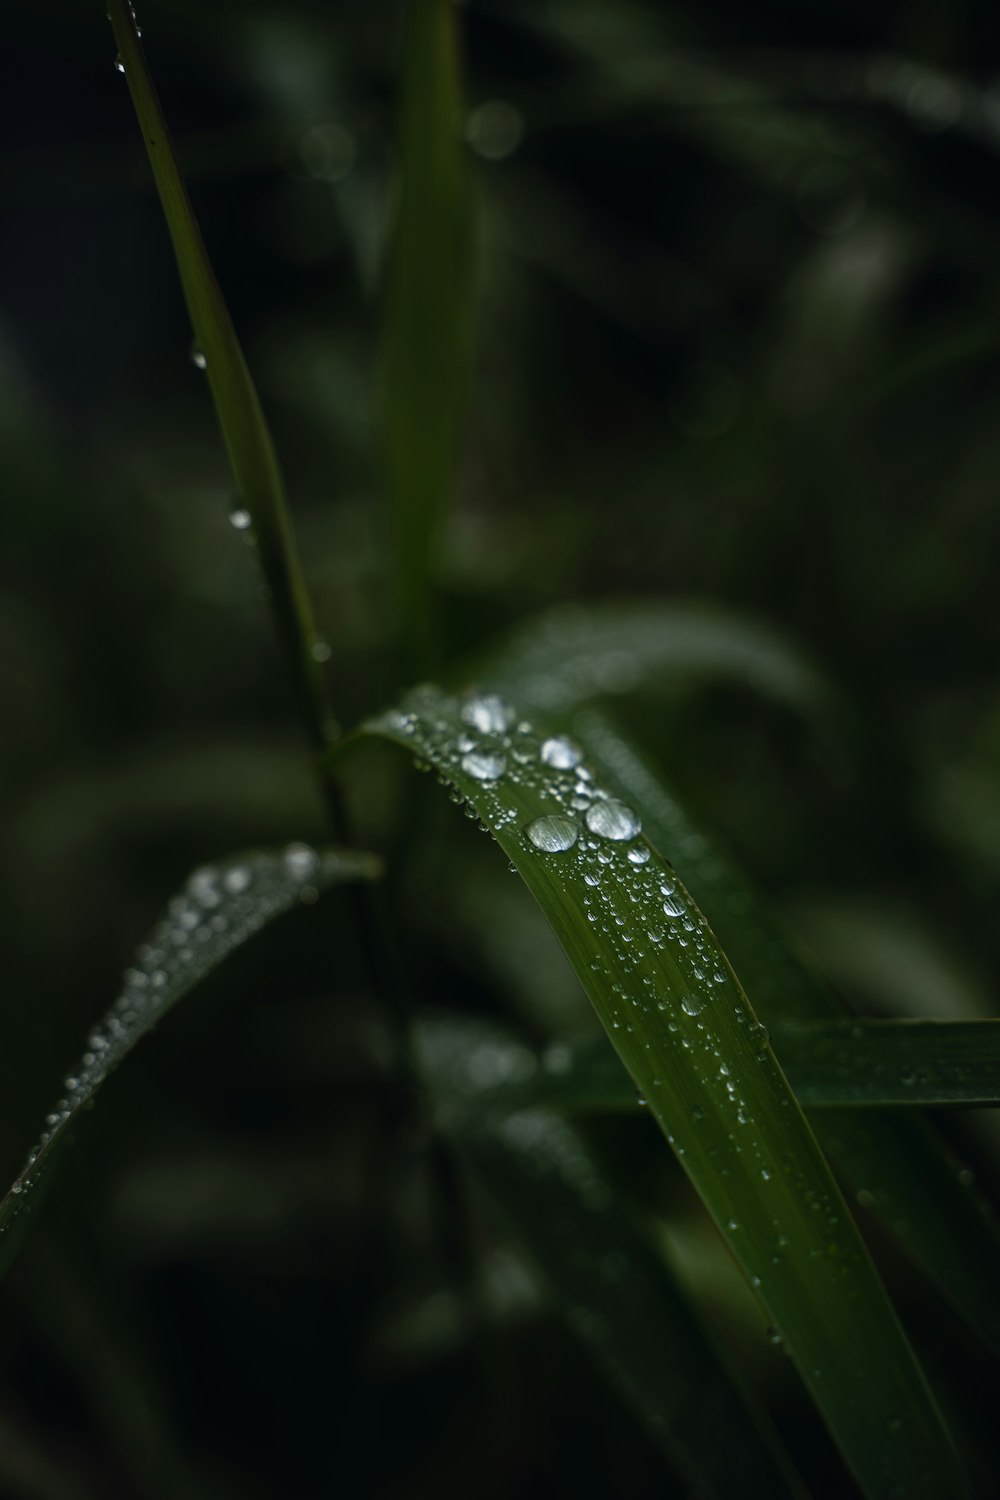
point(737, 316)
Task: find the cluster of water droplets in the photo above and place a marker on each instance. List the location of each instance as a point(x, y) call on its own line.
point(670, 1000)
point(581, 830)
point(220, 908)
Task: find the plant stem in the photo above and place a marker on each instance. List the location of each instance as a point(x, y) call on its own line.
point(248, 441)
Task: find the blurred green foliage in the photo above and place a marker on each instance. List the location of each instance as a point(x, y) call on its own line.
point(734, 313)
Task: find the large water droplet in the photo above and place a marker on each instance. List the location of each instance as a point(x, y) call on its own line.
point(553, 834)
point(483, 765)
point(674, 906)
point(560, 753)
point(488, 713)
point(612, 820)
point(240, 519)
point(692, 1005)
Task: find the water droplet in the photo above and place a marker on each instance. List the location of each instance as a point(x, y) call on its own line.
point(612, 820)
point(560, 753)
point(197, 353)
point(321, 650)
point(639, 855)
point(301, 861)
point(240, 519)
point(641, 1100)
point(235, 880)
point(674, 906)
point(773, 1336)
point(692, 1005)
point(483, 765)
point(488, 713)
point(553, 834)
point(119, 65)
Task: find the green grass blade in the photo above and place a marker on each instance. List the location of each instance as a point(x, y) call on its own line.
point(575, 653)
point(428, 316)
point(894, 1164)
point(248, 441)
point(848, 1062)
point(684, 1030)
point(221, 907)
point(838, 1064)
point(611, 1283)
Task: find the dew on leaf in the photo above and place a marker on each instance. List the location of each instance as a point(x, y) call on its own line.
point(488, 713)
point(612, 820)
point(483, 765)
point(560, 753)
point(553, 833)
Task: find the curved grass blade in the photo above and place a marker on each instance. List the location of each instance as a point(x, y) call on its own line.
point(612, 1285)
point(248, 441)
point(839, 1064)
point(575, 653)
point(683, 1028)
point(893, 1163)
point(221, 907)
point(429, 317)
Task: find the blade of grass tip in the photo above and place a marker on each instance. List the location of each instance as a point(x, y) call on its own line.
point(684, 1030)
point(612, 1286)
point(248, 441)
point(429, 317)
point(221, 908)
point(896, 1165)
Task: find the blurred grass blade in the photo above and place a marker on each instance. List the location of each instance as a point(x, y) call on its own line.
point(849, 1062)
point(610, 1282)
point(894, 1164)
point(684, 1030)
point(221, 907)
point(573, 654)
point(248, 442)
point(829, 1064)
point(428, 331)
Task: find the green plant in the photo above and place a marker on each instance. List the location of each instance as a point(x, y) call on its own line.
point(724, 1033)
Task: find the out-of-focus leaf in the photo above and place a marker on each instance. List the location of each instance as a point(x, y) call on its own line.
point(829, 1064)
point(610, 1283)
point(574, 654)
point(221, 907)
point(428, 319)
point(683, 1028)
